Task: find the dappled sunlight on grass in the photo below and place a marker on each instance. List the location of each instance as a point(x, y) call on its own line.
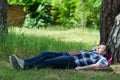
point(68, 35)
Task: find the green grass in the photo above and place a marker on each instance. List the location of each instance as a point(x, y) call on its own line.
point(29, 42)
point(69, 35)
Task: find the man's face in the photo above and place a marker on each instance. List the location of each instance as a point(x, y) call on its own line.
point(101, 49)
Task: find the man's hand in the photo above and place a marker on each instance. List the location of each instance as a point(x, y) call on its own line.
point(92, 66)
point(79, 68)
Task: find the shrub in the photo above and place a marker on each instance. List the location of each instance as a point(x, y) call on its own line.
point(70, 13)
point(38, 14)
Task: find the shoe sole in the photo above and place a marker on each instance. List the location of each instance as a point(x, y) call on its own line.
point(11, 61)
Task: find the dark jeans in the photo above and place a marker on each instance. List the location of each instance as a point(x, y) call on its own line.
point(51, 59)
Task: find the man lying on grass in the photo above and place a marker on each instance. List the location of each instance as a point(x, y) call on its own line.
point(78, 60)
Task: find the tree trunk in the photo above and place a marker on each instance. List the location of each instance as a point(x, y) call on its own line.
point(109, 29)
point(3, 20)
point(114, 39)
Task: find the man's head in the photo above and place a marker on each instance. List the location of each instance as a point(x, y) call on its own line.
point(101, 49)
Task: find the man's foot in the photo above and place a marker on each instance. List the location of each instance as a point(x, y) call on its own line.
point(14, 62)
point(20, 61)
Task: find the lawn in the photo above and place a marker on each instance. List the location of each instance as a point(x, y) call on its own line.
point(68, 35)
point(28, 42)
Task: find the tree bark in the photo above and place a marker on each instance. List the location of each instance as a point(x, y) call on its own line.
point(114, 39)
point(109, 29)
point(109, 10)
point(3, 20)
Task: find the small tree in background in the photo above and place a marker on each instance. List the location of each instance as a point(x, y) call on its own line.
point(3, 21)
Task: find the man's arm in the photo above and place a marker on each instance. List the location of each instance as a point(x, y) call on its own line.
point(92, 66)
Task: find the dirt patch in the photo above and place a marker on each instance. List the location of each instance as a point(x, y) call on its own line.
point(16, 15)
point(116, 68)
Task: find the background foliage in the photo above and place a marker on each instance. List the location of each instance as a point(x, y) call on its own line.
point(70, 13)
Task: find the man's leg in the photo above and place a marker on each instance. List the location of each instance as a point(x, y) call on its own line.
point(58, 62)
point(31, 62)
